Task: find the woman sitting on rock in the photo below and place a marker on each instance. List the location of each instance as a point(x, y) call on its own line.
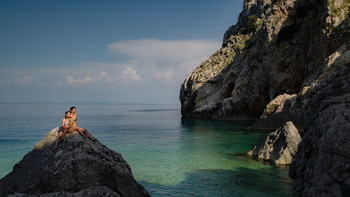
point(67, 122)
point(75, 127)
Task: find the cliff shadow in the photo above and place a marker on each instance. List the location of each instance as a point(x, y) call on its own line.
point(217, 182)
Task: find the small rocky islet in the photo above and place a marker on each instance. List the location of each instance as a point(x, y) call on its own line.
point(285, 65)
point(79, 167)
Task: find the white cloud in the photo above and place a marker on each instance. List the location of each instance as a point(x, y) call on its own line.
point(165, 50)
point(104, 77)
point(131, 73)
point(165, 74)
point(76, 82)
point(23, 81)
point(150, 65)
point(57, 82)
point(166, 60)
point(127, 76)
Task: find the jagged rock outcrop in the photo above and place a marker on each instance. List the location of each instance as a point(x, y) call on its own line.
point(79, 167)
point(276, 47)
point(280, 146)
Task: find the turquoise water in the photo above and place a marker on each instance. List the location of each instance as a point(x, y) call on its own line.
point(170, 156)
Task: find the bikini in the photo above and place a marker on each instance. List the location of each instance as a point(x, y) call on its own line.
point(62, 128)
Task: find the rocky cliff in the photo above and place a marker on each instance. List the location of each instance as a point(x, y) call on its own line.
point(285, 60)
point(322, 165)
point(79, 167)
point(276, 47)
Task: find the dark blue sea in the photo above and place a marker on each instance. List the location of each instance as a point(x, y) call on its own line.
point(170, 156)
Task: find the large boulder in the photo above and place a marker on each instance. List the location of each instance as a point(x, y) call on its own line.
point(280, 146)
point(79, 167)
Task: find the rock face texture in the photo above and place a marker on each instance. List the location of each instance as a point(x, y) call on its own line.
point(277, 113)
point(79, 167)
point(322, 166)
point(276, 47)
point(280, 146)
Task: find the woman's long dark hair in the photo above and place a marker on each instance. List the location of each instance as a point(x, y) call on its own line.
point(72, 108)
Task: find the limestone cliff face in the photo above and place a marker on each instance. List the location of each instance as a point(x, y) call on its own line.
point(276, 47)
point(322, 165)
point(79, 167)
point(289, 60)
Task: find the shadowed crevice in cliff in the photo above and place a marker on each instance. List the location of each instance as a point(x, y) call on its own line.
point(292, 107)
point(78, 167)
point(278, 58)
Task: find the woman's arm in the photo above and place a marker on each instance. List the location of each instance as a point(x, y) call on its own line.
point(71, 123)
point(63, 125)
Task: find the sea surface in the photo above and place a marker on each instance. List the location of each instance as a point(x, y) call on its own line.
point(168, 155)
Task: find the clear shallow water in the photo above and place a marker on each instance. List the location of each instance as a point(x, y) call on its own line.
point(168, 155)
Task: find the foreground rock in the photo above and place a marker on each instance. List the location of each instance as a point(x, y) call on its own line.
point(79, 167)
point(280, 146)
point(322, 165)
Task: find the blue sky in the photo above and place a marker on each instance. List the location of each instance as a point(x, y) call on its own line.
point(86, 51)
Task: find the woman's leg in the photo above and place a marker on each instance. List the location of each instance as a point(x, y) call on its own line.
point(80, 131)
point(60, 135)
point(64, 133)
point(75, 128)
point(86, 133)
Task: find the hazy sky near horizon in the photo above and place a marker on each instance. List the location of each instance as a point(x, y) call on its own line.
point(108, 51)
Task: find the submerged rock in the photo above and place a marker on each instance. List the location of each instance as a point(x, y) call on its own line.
point(79, 167)
point(280, 146)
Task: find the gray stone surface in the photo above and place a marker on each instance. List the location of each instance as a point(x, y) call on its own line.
point(79, 167)
point(277, 113)
point(93, 192)
point(322, 166)
point(280, 146)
